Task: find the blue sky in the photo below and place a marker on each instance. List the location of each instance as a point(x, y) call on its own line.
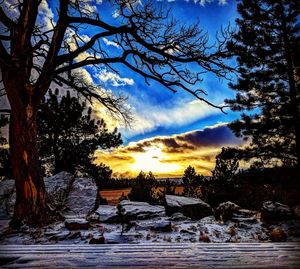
point(154, 99)
point(169, 131)
point(161, 115)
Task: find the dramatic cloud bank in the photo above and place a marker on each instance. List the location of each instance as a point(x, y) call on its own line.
point(170, 155)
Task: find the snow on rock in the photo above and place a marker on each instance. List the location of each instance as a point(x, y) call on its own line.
point(7, 198)
point(178, 216)
point(190, 207)
point(97, 240)
point(82, 197)
point(105, 213)
point(158, 225)
point(132, 210)
point(77, 224)
point(225, 210)
point(57, 188)
point(273, 211)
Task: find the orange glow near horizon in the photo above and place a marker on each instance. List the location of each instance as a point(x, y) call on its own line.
point(152, 160)
point(169, 156)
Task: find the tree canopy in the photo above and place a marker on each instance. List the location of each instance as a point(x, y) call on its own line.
point(266, 46)
point(191, 182)
point(68, 135)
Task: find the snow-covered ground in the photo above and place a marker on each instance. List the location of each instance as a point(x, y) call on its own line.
point(180, 220)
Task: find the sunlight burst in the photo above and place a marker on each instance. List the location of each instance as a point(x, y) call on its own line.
point(153, 160)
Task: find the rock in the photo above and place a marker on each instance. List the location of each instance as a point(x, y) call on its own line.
point(273, 211)
point(190, 207)
point(60, 236)
point(262, 237)
point(225, 211)
point(232, 230)
point(82, 197)
point(178, 217)
point(184, 231)
point(204, 237)
point(131, 210)
point(77, 224)
point(278, 235)
point(7, 198)
point(163, 226)
point(57, 189)
point(74, 235)
point(97, 240)
point(244, 220)
point(296, 211)
point(105, 213)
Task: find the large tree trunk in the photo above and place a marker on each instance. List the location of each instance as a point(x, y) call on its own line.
point(30, 188)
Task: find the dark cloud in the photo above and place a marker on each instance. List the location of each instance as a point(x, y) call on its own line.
point(214, 136)
point(210, 137)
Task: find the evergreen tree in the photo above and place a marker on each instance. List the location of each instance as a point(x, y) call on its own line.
point(191, 182)
point(226, 166)
point(143, 188)
point(69, 135)
point(267, 49)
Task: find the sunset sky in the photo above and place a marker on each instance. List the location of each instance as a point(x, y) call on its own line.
point(170, 131)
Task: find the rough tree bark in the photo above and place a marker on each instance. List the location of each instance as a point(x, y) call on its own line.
point(30, 189)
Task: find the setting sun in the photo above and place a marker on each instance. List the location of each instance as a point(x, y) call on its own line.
point(153, 160)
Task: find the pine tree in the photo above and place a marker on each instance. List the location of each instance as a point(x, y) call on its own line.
point(143, 188)
point(191, 182)
point(226, 166)
point(266, 47)
point(69, 135)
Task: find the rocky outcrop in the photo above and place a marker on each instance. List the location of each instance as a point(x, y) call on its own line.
point(131, 210)
point(273, 211)
point(77, 224)
point(57, 189)
point(7, 198)
point(230, 211)
point(82, 197)
point(190, 207)
point(225, 210)
point(157, 225)
point(105, 213)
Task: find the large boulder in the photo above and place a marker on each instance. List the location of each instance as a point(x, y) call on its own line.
point(273, 211)
point(82, 197)
point(7, 198)
point(225, 210)
point(190, 207)
point(58, 188)
point(131, 210)
point(105, 213)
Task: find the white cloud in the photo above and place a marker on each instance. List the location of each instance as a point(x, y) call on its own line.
point(147, 118)
point(114, 79)
point(110, 43)
point(223, 2)
point(204, 2)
